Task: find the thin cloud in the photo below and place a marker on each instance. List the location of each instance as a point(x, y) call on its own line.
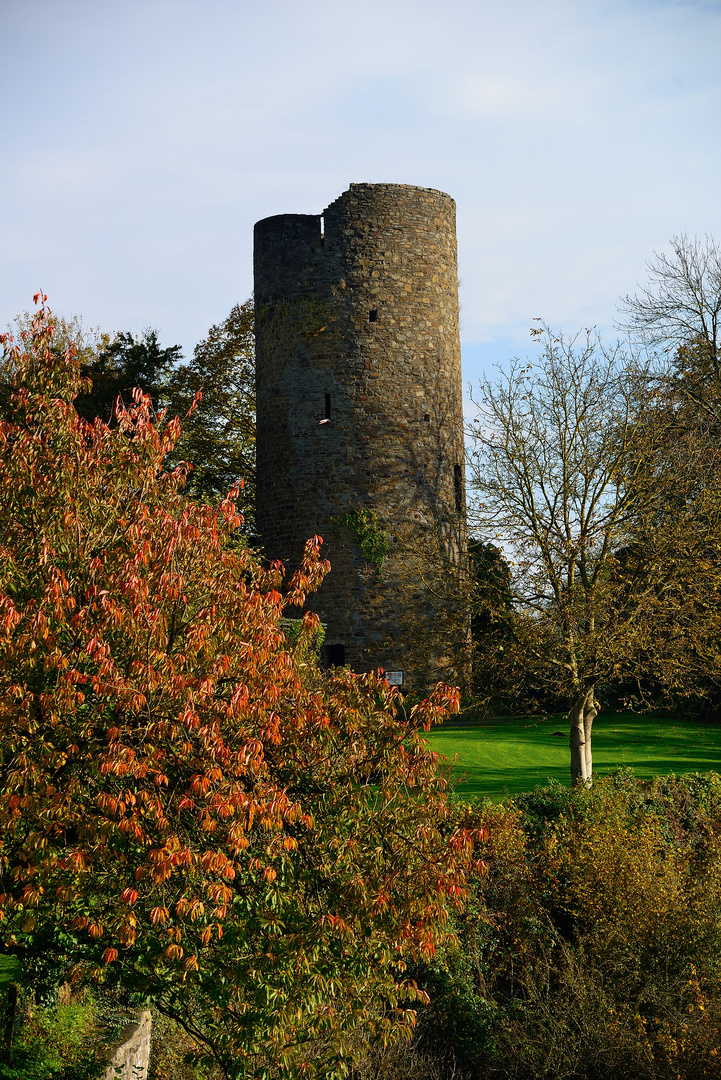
point(146, 138)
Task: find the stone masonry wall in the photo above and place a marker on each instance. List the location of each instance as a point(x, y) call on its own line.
point(357, 323)
point(129, 1058)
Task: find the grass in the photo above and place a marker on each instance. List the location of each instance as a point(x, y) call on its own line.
point(505, 757)
point(9, 971)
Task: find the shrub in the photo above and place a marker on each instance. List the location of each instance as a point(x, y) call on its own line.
point(58, 1040)
point(592, 948)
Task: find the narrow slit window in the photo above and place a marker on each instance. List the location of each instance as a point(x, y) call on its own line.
point(336, 655)
point(373, 315)
point(458, 487)
point(327, 406)
point(427, 418)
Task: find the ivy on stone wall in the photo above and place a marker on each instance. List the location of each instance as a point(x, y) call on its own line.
point(371, 538)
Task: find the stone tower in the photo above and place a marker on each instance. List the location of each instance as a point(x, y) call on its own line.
point(359, 404)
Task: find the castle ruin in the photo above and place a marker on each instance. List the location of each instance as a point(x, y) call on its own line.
point(359, 416)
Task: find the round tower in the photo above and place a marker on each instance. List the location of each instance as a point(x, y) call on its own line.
point(360, 421)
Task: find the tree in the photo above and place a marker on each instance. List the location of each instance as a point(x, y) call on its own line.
point(218, 439)
point(214, 395)
point(186, 804)
point(609, 579)
point(118, 366)
point(679, 314)
point(87, 342)
point(114, 364)
point(682, 302)
point(491, 604)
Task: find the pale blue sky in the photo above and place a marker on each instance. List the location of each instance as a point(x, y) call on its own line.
point(143, 138)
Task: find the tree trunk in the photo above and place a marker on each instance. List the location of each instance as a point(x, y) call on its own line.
point(10, 1015)
point(582, 715)
point(590, 713)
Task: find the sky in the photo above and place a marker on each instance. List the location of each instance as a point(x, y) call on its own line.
point(142, 139)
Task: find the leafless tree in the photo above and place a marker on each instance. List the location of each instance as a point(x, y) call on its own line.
point(682, 302)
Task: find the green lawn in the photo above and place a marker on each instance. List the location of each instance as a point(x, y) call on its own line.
point(505, 757)
point(9, 971)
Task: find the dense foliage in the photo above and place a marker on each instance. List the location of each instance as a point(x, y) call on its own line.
point(120, 364)
point(591, 950)
point(186, 804)
point(218, 437)
point(63, 1041)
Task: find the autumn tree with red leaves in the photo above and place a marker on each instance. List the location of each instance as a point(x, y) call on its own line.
point(187, 805)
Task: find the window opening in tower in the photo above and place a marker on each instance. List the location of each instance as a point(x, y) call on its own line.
point(336, 655)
